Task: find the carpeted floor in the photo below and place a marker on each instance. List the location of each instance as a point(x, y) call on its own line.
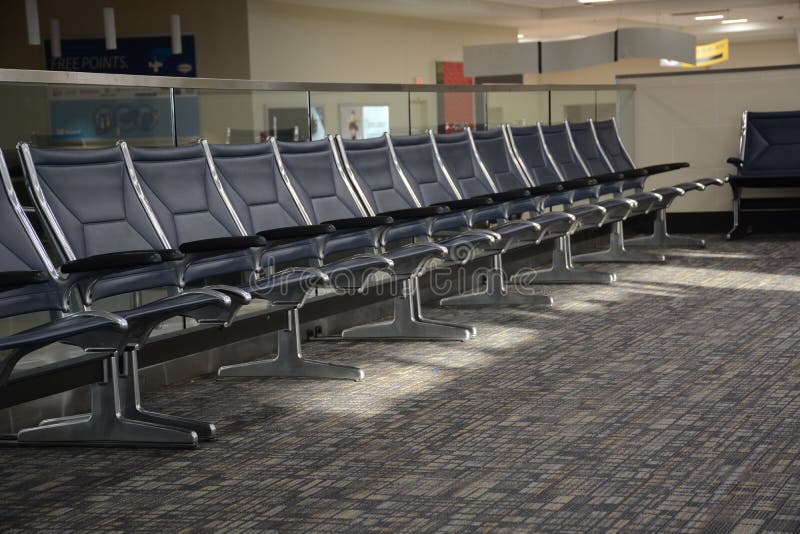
point(670, 401)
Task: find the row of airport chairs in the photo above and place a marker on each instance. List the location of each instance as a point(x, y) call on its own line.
point(292, 218)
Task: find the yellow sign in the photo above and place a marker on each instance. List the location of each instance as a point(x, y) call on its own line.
point(711, 54)
point(705, 55)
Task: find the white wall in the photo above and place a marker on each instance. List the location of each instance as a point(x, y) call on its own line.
point(697, 118)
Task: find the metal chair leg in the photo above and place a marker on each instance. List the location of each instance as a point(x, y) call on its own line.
point(617, 253)
point(738, 231)
point(105, 426)
point(131, 405)
point(407, 323)
point(417, 312)
point(562, 271)
point(661, 238)
point(496, 292)
point(289, 361)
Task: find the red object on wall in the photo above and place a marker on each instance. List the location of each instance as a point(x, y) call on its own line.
point(457, 110)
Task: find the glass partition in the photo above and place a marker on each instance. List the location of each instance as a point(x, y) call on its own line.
point(625, 119)
point(516, 108)
point(360, 115)
point(574, 106)
point(447, 111)
point(226, 116)
point(86, 115)
point(423, 112)
point(219, 116)
point(606, 105)
point(284, 115)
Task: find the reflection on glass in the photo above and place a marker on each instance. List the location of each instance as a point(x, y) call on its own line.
point(574, 106)
point(360, 115)
point(606, 105)
point(457, 111)
point(85, 115)
point(92, 116)
point(516, 108)
point(236, 117)
point(447, 112)
point(423, 113)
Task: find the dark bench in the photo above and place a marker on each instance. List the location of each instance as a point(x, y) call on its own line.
point(769, 157)
point(30, 282)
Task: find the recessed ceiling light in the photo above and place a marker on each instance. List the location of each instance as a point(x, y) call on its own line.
point(709, 17)
point(593, 1)
point(520, 36)
point(734, 21)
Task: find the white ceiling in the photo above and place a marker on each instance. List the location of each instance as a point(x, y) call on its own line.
point(562, 19)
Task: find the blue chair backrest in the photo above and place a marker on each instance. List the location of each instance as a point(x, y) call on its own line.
point(496, 157)
point(584, 140)
point(178, 185)
point(18, 252)
point(533, 153)
point(556, 137)
point(255, 187)
point(418, 162)
point(313, 171)
point(92, 201)
point(375, 175)
point(608, 136)
point(772, 143)
point(463, 165)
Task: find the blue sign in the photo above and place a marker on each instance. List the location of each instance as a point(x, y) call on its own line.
point(111, 119)
point(134, 55)
point(137, 117)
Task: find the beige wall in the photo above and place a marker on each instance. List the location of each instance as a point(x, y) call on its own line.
point(299, 43)
point(308, 44)
point(696, 118)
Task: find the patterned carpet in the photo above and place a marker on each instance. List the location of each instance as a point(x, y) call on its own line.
point(669, 402)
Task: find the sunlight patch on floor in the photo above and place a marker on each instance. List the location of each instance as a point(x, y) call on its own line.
point(676, 276)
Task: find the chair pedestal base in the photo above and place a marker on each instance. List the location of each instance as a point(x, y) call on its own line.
point(289, 361)
point(408, 323)
point(562, 271)
point(496, 293)
point(417, 311)
point(131, 404)
point(105, 426)
point(661, 238)
point(617, 253)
